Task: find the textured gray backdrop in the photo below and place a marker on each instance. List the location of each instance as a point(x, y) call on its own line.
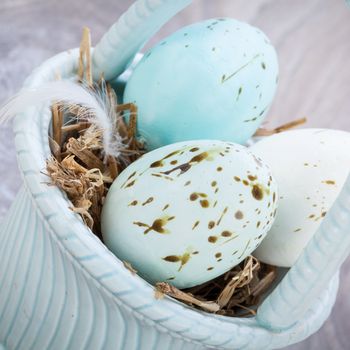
point(312, 39)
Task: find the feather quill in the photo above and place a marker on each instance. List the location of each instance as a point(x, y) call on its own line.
point(96, 108)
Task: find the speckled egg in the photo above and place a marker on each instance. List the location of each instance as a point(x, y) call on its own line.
point(310, 167)
point(214, 79)
point(188, 212)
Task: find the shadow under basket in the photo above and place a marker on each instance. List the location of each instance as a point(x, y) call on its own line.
point(61, 288)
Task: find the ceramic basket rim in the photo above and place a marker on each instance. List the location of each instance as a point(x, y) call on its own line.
point(91, 255)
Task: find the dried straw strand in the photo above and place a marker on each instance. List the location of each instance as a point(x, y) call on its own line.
point(85, 155)
point(172, 291)
point(281, 128)
point(84, 67)
point(229, 294)
point(57, 122)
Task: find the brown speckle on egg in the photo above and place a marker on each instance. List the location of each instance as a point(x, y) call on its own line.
point(239, 92)
point(210, 268)
point(222, 215)
point(172, 258)
point(239, 215)
point(198, 158)
point(171, 154)
point(252, 178)
point(178, 258)
point(130, 184)
point(226, 234)
point(245, 249)
point(163, 177)
point(297, 230)
point(237, 178)
point(187, 166)
point(211, 224)
point(133, 203)
point(204, 203)
point(183, 168)
point(193, 196)
point(245, 182)
point(218, 255)
point(149, 200)
point(132, 175)
point(219, 168)
point(157, 164)
point(329, 182)
point(212, 239)
point(129, 178)
point(214, 183)
point(166, 207)
point(257, 192)
point(195, 224)
point(157, 225)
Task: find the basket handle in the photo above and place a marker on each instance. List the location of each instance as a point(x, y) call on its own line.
point(311, 274)
point(127, 36)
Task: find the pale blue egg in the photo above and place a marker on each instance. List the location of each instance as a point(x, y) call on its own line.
point(214, 79)
point(188, 212)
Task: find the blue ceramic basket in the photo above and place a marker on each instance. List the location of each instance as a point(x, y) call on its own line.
point(60, 287)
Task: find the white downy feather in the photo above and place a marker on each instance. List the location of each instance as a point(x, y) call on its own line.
point(98, 109)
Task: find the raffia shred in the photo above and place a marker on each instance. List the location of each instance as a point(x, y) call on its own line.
point(80, 168)
point(235, 293)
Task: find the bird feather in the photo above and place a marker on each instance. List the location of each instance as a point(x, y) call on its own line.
point(95, 102)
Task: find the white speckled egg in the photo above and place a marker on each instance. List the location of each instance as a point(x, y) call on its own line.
point(190, 211)
point(310, 167)
point(214, 79)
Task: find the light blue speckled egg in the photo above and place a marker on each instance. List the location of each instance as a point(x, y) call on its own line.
point(188, 212)
point(214, 79)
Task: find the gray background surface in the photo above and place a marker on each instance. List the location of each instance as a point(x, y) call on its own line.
point(312, 39)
